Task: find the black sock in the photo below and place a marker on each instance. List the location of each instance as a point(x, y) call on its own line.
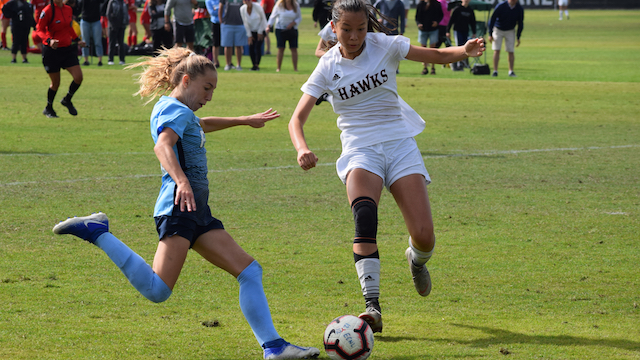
point(73, 87)
point(51, 94)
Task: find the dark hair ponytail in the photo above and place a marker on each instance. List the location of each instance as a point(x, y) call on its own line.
point(354, 6)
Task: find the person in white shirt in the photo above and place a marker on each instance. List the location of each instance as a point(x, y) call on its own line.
point(255, 23)
point(286, 16)
point(378, 148)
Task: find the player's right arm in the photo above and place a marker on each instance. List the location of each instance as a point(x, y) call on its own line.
point(167, 157)
point(306, 158)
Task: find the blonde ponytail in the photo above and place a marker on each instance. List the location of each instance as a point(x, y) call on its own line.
point(162, 73)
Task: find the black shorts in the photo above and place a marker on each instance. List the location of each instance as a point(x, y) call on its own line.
point(283, 36)
point(185, 33)
point(60, 58)
point(185, 227)
point(215, 32)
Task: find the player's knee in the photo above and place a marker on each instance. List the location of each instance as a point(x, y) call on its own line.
point(423, 238)
point(365, 216)
point(159, 292)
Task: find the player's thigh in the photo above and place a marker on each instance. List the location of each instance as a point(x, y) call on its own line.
point(361, 183)
point(219, 248)
point(169, 259)
point(410, 193)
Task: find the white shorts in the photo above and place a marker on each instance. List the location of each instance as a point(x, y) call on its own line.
point(509, 37)
point(563, 2)
point(390, 160)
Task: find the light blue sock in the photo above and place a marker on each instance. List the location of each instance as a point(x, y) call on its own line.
point(139, 273)
point(253, 303)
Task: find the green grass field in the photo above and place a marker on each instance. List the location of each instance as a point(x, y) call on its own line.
point(535, 196)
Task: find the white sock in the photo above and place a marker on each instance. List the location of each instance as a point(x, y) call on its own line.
point(369, 274)
point(419, 257)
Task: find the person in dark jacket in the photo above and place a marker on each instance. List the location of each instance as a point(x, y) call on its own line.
point(21, 14)
point(161, 37)
point(393, 12)
point(59, 51)
point(321, 12)
point(118, 15)
point(462, 18)
point(91, 29)
point(506, 16)
point(428, 15)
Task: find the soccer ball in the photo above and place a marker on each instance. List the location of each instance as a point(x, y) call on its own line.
point(348, 338)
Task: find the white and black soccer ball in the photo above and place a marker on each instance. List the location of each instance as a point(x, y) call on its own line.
point(348, 338)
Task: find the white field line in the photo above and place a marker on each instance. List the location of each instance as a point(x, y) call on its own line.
point(138, 176)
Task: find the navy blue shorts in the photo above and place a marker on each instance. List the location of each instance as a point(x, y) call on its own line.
point(282, 36)
point(185, 227)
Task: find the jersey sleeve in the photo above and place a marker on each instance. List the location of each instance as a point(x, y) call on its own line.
point(316, 85)
point(174, 118)
point(43, 24)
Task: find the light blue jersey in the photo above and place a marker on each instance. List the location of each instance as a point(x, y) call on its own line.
point(190, 152)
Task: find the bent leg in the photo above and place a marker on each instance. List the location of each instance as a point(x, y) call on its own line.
point(410, 193)
point(219, 248)
point(135, 269)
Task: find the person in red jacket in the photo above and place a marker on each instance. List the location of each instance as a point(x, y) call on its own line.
point(59, 51)
point(133, 19)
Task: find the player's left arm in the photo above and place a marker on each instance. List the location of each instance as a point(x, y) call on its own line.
point(215, 123)
point(473, 48)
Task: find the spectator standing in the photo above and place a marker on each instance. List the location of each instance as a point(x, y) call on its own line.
point(267, 6)
point(394, 11)
point(506, 16)
point(232, 32)
point(563, 5)
point(145, 21)
point(184, 28)
point(132, 39)
point(59, 52)
point(442, 26)
point(407, 6)
point(37, 5)
point(428, 15)
point(286, 16)
point(4, 22)
point(161, 37)
point(21, 14)
point(91, 29)
point(255, 23)
point(212, 8)
point(118, 16)
point(321, 12)
point(462, 18)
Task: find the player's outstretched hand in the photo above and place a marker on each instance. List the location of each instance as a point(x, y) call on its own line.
point(258, 120)
point(474, 47)
point(307, 159)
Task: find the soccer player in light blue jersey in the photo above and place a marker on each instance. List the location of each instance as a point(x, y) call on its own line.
point(182, 214)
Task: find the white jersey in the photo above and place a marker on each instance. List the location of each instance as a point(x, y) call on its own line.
point(365, 92)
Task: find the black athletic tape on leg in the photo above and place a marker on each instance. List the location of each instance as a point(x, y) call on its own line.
point(358, 257)
point(365, 216)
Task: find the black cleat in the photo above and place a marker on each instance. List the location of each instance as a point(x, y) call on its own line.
point(49, 112)
point(67, 103)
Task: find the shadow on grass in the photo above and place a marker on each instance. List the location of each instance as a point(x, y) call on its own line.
point(502, 337)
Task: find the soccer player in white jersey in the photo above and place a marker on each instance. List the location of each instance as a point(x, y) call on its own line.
point(182, 213)
point(378, 148)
